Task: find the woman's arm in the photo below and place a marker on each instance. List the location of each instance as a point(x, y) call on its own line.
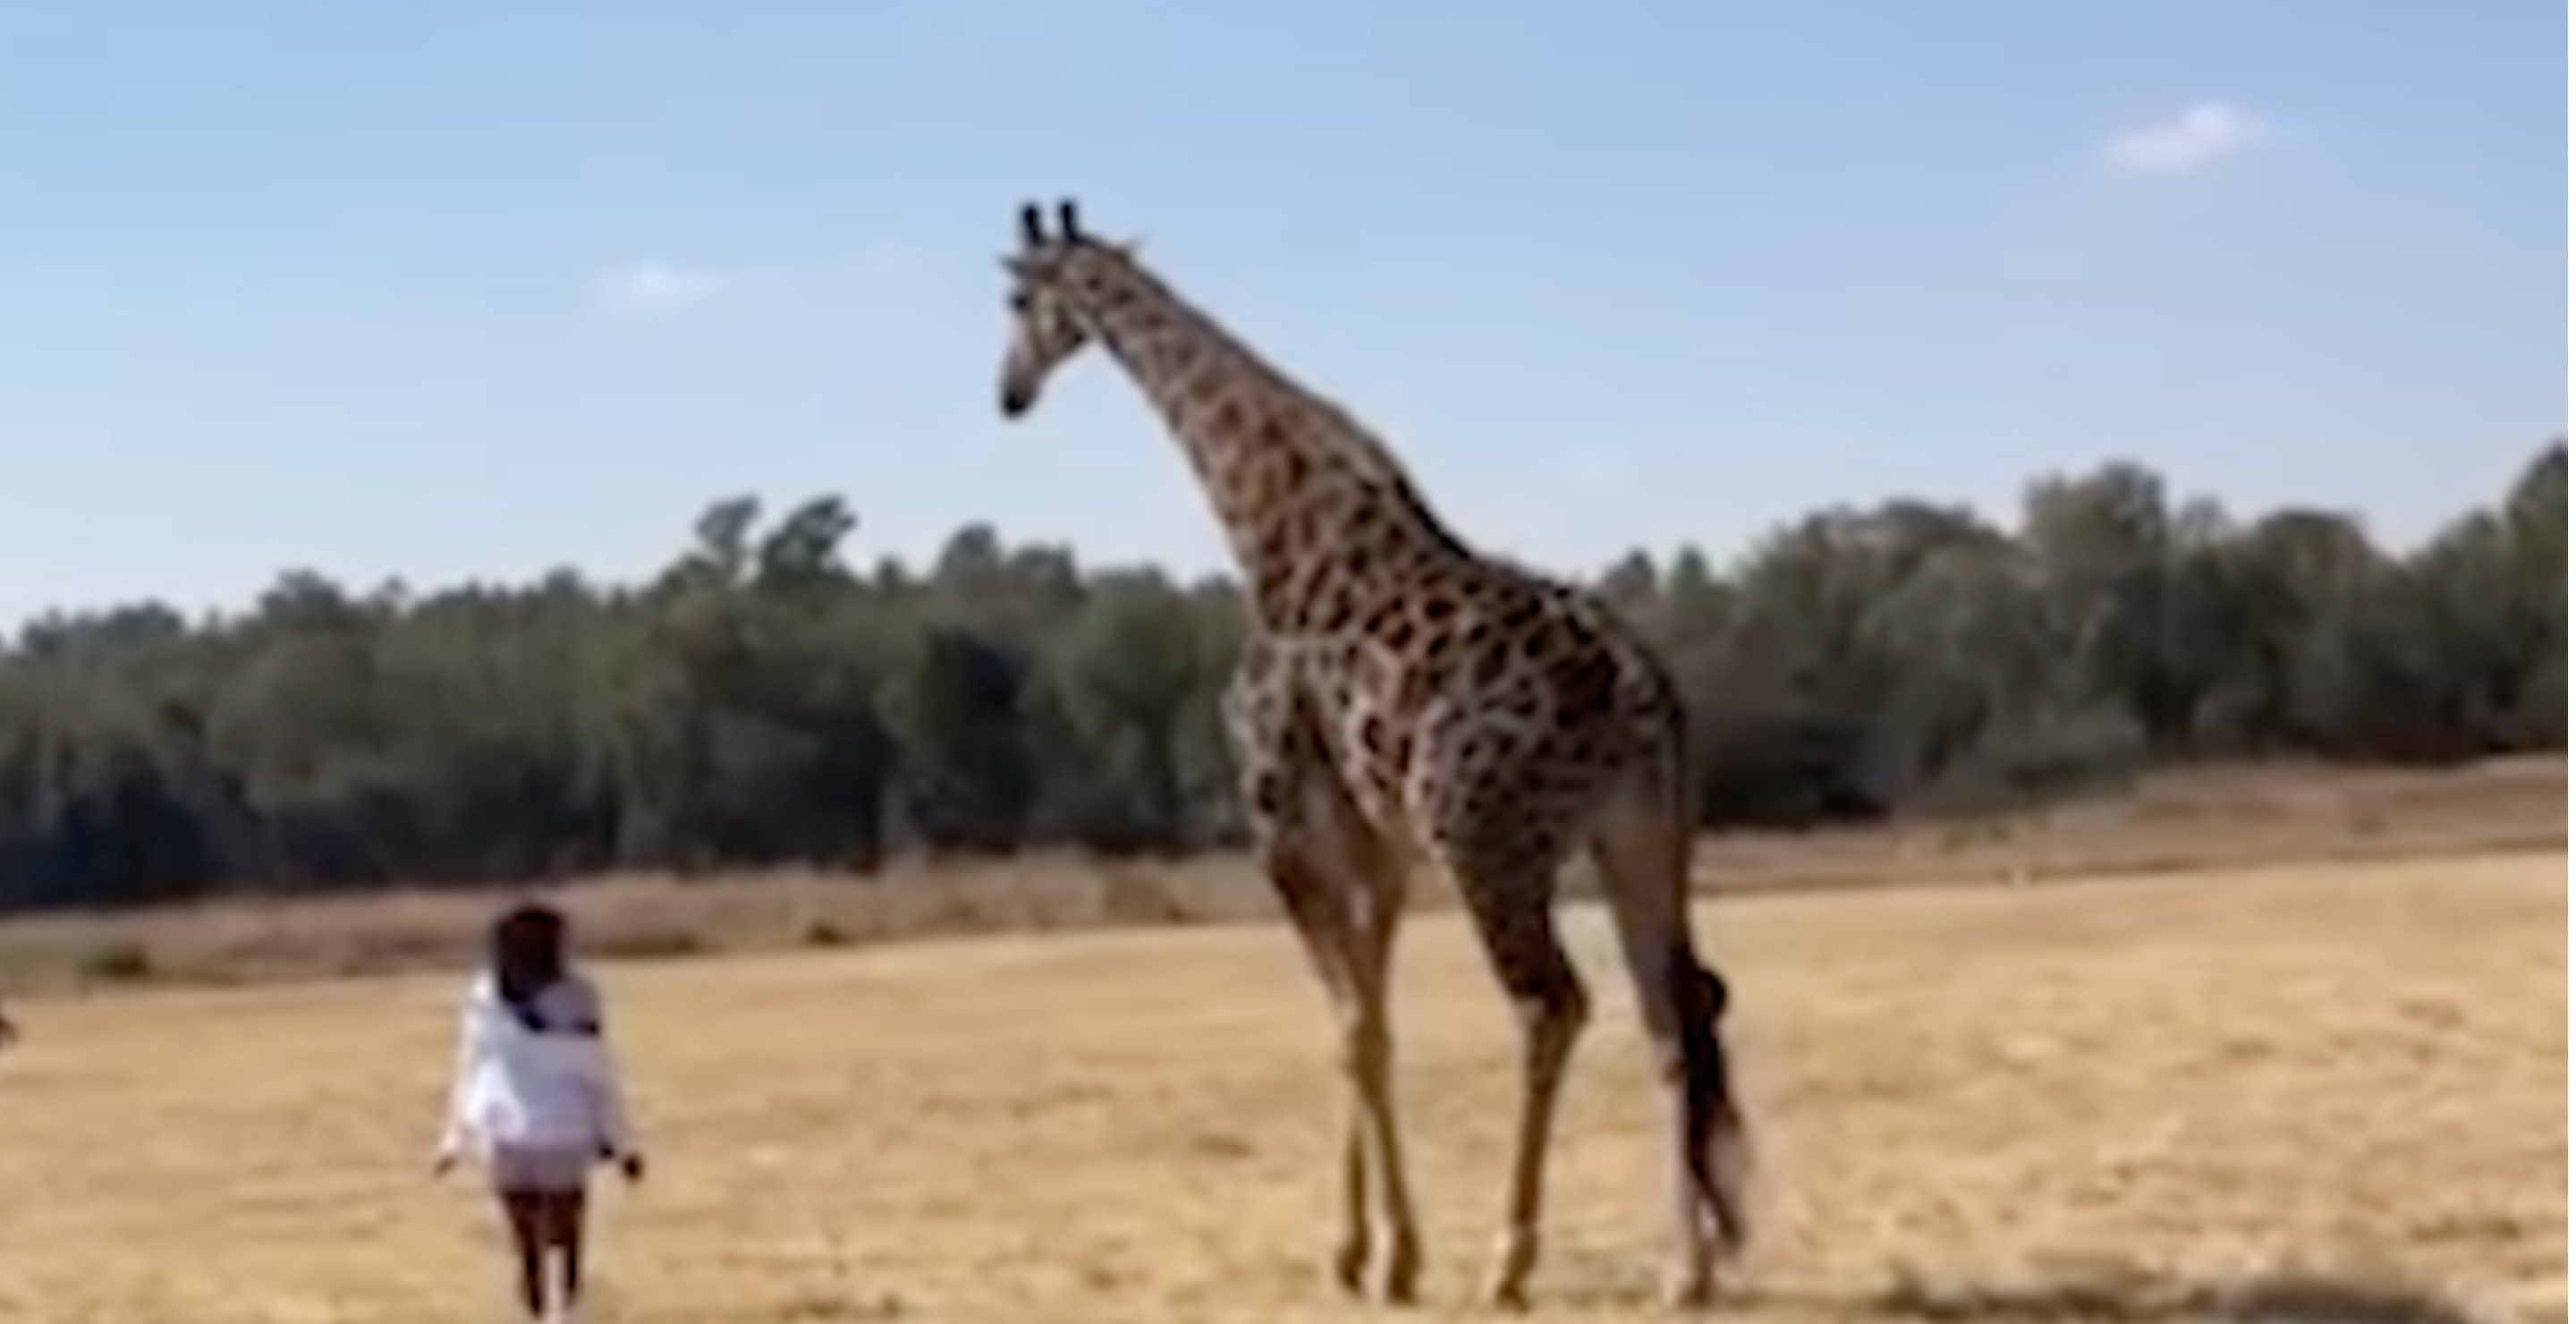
point(470, 1048)
point(609, 1114)
point(616, 1124)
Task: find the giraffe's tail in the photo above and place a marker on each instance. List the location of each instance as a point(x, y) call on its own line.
point(1644, 849)
point(1720, 1144)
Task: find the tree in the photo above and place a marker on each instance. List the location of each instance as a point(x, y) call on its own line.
point(759, 702)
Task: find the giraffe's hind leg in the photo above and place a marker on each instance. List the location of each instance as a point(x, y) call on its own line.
point(1549, 1001)
point(1345, 896)
point(1503, 860)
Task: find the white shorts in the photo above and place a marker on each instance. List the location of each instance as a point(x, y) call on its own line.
point(540, 1169)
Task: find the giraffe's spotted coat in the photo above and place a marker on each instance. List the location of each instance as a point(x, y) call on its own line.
point(1404, 699)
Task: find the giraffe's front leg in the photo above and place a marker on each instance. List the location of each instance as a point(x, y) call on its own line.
point(1351, 1248)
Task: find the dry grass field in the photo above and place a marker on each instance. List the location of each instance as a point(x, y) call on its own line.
point(2295, 1092)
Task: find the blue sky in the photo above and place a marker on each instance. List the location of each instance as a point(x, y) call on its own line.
point(476, 289)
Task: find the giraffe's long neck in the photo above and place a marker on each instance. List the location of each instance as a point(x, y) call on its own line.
point(1305, 494)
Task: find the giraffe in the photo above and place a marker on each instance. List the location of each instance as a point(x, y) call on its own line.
point(1404, 701)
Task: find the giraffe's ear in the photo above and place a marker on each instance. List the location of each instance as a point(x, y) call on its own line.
point(1066, 221)
point(1032, 226)
point(1016, 265)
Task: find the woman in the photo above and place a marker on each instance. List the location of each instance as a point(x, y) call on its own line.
point(537, 1087)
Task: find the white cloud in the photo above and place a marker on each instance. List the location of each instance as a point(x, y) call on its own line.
point(644, 287)
point(648, 287)
point(2200, 135)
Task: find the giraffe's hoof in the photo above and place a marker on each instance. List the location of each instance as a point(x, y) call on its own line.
point(1689, 1287)
point(1397, 1284)
point(1350, 1264)
point(1507, 1285)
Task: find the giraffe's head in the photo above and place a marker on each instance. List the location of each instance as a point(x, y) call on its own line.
point(1047, 323)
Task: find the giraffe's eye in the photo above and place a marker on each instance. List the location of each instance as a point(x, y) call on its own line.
point(1020, 301)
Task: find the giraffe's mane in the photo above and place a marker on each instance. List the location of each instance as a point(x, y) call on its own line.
point(1383, 466)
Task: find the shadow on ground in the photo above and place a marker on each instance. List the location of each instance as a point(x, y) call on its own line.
point(2146, 1297)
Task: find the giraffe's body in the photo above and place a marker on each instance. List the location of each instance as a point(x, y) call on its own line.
point(1403, 700)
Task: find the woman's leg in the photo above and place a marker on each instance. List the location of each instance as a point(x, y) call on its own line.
point(569, 1214)
point(527, 1212)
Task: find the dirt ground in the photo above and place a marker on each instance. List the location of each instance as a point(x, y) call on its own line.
point(2300, 1093)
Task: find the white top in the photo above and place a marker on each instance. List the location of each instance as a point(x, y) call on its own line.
point(515, 1086)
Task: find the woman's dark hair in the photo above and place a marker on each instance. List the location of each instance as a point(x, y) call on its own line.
point(526, 954)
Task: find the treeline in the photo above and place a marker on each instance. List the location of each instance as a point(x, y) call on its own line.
point(762, 701)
